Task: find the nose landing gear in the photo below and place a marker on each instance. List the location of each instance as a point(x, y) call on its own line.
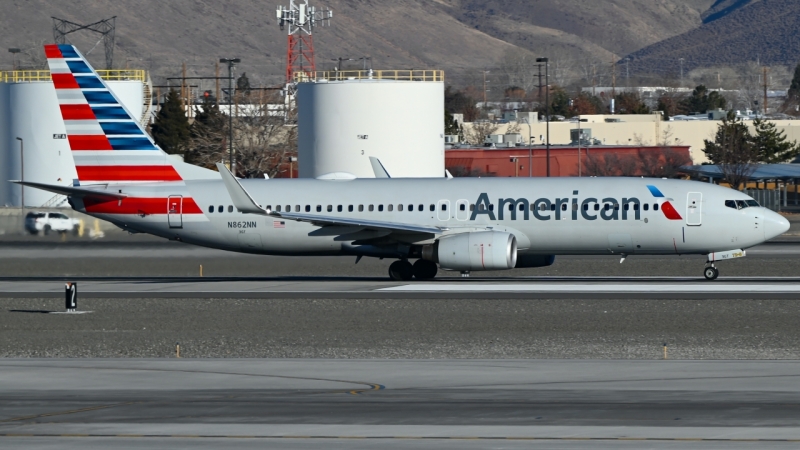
point(711, 272)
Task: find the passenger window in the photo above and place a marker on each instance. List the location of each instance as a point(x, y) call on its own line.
point(444, 206)
point(220, 208)
point(308, 208)
point(433, 207)
point(741, 204)
point(463, 207)
point(626, 206)
point(585, 206)
point(278, 208)
point(472, 207)
point(655, 206)
point(481, 207)
point(421, 208)
point(349, 208)
point(288, 208)
point(360, 208)
point(616, 206)
point(269, 207)
point(646, 206)
point(411, 207)
point(552, 207)
point(597, 207)
point(371, 208)
point(390, 207)
point(380, 207)
point(635, 206)
point(330, 208)
point(606, 207)
point(211, 209)
point(563, 206)
point(400, 207)
point(319, 208)
point(491, 206)
point(296, 208)
point(339, 208)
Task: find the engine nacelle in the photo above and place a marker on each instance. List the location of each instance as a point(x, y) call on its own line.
point(482, 250)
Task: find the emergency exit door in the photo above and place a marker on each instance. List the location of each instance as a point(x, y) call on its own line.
point(175, 211)
point(694, 208)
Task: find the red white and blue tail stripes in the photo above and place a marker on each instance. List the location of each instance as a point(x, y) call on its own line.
point(107, 142)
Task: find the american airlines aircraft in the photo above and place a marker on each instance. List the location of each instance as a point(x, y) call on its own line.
point(462, 224)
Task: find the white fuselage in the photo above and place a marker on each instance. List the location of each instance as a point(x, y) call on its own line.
point(592, 216)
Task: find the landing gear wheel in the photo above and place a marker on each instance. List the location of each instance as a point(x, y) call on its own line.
point(711, 273)
point(424, 269)
point(401, 271)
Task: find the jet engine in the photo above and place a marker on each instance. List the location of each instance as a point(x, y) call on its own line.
point(482, 250)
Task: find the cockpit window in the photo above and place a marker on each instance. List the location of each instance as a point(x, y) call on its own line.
point(731, 204)
point(741, 204)
point(752, 203)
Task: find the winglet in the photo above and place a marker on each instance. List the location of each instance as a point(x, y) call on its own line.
point(241, 198)
point(377, 167)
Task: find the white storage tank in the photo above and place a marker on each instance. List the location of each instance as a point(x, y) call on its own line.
point(395, 116)
point(29, 110)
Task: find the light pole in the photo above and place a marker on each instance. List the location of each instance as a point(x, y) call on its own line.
point(530, 148)
point(230, 62)
point(14, 52)
point(484, 90)
point(580, 138)
point(22, 169)
point(547, 105)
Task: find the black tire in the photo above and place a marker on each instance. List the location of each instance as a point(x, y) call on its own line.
point(401, 271)
point(425, 270)
point(46, 230)
point(711, 273)
point(33, 232)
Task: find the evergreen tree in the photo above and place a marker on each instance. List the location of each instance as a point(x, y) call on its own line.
point(171, 128)
point(243, 85)
point(208, 133)
point(794, 88)
point(703, 101)
point(732, 151)
point(559, 105)
point(451, 126)
point(771, 145)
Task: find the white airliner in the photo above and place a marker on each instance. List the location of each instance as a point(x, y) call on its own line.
point(462, 224)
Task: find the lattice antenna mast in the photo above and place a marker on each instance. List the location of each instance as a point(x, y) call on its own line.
point(105, 27)
point(300, 19)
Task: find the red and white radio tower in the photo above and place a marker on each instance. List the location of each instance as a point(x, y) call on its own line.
point(301, 20)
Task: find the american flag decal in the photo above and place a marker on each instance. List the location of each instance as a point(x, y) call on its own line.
point(278, 224)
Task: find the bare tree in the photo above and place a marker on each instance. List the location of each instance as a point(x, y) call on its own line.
point(476, 133)
point(519, 67)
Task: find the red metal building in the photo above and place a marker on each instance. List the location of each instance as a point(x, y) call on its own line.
point(594, 160)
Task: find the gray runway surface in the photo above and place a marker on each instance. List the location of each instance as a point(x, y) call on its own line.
point(398, 404)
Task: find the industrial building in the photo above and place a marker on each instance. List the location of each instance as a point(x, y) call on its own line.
point(33, 144)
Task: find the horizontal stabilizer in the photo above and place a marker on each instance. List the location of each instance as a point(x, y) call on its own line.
point(74, 191)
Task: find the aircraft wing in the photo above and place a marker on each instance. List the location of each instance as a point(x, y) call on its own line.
point(244, 202)
point(74, 191)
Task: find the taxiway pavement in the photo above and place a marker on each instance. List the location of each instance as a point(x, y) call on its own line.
point(399, 404)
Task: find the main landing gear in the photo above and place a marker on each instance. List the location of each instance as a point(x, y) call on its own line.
point(403, 270)
point(711, 272)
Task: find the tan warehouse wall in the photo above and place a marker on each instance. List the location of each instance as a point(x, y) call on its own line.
point(640, 130)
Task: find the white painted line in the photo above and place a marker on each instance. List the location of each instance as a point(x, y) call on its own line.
point(709, 287)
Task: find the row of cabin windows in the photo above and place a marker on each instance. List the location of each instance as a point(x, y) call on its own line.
point(220, 208)
point(463, 207)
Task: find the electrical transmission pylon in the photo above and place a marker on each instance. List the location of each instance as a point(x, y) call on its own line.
point(301, 20)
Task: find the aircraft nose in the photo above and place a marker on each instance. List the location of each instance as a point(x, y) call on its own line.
point(774, 225)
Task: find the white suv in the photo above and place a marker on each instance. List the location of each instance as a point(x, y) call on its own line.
point(46, 222)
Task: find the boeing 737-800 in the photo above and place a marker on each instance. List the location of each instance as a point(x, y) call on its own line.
point(463, 224)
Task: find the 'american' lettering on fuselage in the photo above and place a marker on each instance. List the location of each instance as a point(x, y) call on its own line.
point(542, 208)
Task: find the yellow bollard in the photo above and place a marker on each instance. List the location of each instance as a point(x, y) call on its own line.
point(178, 350)
point(665, 350)
point(81, 228)
point(201, 271)
point(96, 227)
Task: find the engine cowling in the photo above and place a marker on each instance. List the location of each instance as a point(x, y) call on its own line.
point(481, 250)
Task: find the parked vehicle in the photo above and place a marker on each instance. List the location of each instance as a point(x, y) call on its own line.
point(46, 222)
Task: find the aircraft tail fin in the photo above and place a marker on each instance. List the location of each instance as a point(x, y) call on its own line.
point(108, 144)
